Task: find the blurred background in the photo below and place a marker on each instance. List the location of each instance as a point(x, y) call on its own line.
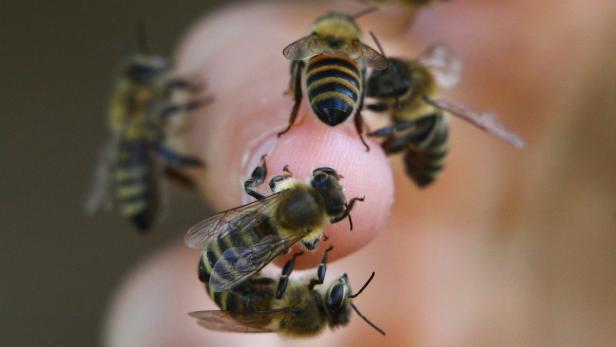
point(541, 263)
point(60, 267)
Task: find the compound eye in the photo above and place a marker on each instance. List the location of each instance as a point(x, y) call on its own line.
point(319, 180)
point(335, 298)
point(326, 170)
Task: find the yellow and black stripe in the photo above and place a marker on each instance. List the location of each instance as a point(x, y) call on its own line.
point(135, 185)
point(425, 160)
point(236, 299)
point(334, 85)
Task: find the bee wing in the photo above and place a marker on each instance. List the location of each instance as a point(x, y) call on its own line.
point(240, 322)
point(444, 64)
point(484, 120)
point(373, 58)
point(237, 264)
point(306, 47)
point(100, 190)
point(229, 221)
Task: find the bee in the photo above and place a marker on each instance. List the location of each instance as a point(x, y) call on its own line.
point(135, 157)
point(239, 242)
point(408, 90)
point(333, 61)
point(291, 308)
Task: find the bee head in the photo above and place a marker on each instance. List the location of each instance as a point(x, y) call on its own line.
point(394, 81)
point(326, 181)
point(339, 302)
point(144, 68)
point(336, 30)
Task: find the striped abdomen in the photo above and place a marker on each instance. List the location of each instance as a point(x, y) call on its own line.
point(136, 189)
point(212, 262)
point(334, 85)
point(424, 159)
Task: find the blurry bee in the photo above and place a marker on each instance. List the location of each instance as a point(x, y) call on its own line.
point(333, 61)
point(130, 166)
point(293, 309)
point(408, 90)
point(237, 243)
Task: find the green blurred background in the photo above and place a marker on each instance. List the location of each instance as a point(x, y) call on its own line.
point(59, 266)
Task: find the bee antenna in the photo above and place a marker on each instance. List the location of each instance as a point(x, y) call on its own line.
point(367, 320)
point(364, 286)
point(365, 11)
point(378, 44)
point(143, 44)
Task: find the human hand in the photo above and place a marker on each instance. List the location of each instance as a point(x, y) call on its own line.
point(431, 240)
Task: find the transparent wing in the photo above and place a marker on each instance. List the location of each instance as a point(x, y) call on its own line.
point(100, 189)
point(306, 47)
point(240, 322)
point(237, 264)
point(373, 58)
point(229, 221)
point(444, 64)
point(483, 120)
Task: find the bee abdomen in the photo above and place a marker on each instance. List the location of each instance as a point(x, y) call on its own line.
point(135, 185)
point(424, 164)
point(334, 86)
point(230, 246)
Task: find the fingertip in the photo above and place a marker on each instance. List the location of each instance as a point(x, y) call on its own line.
point(310, 145)
point(234, 132)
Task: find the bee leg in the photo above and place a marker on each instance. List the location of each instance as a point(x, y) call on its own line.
point(378, 107)
point(418, 136)
point(179, 83)
point(284, 278)
point(359, 127)
point(391, 130)
point(358, 119)
point(178, 177)
point(176, 159)
point(346, 211)
point(256, 179)
point(279, 178)
point(321, 271)
point(296, 84)
point(173, 109)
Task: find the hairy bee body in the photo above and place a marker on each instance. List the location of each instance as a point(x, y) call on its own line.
point(133, 122)
point(135, 158)
point(408, 91)
point(309, 314)
point(425, 146)
point(334, 84)
point(425, 160)
point(134, 181)
point(238, 243)
point(333, 61)
point(300, 311)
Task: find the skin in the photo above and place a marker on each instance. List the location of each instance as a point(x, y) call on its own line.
point(467, 262)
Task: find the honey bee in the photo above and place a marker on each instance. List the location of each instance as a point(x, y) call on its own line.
point(333, 61)
point(135, 157)
point(408, 90)
point(290, 308)
point(239, 242)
